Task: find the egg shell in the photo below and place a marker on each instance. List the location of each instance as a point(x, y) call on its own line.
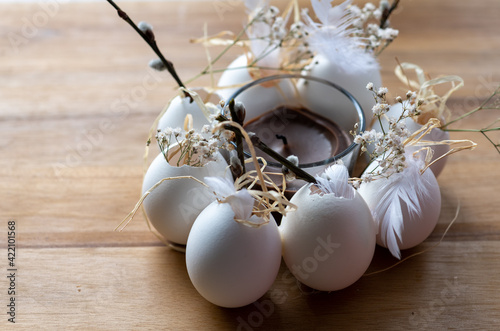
point(232, 76)
point(415, 228)
point(258, 99)
point(231, 264)
point(174, 205)
point(180, 106)
point(435, 135)
point(328, 242)
point(354, 83)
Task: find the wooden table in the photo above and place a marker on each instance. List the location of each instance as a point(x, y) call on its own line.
point(74, 118)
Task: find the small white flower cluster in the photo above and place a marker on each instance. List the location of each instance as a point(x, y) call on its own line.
point(197, 148)
point(388, 145)
point(368, 24)
point(278, 25)
point(206, 149)
point(267, 15)
point(274, 34)
point(278, 29)
point(165, 136)
point(299, 53)
point(345, 34)
point(191, 144)
point(368, 137)
point(298, 30)
point(369, 11)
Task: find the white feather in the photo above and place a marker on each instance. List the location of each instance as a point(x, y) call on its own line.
point(339, 15)
point(321, 9)
point(222, 187)
point(401, 190)
point(335, 181)
point(330, 15)
point(333, 38)
point(345, 52)
point(242, 204)
point(241, 201)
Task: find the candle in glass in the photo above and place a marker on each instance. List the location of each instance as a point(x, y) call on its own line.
point(282, 115)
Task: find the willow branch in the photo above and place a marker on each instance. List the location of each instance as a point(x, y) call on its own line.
point(239, 137)
point(387, 12)
point(299, 173)
point(149, 38)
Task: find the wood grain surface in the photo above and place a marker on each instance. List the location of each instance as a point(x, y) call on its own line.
point(76, 103)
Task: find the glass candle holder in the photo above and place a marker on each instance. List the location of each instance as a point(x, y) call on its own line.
point(305, 116)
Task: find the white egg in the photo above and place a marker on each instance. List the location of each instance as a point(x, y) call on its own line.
point(174, 205)
point(354, 83)
point(328, 242)
point(406, 207)
point(260, 98)
point(234, 77)
point(231, 264)
point(435, 135)
point(180, 106)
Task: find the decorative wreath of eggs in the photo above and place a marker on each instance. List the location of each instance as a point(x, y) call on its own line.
point(208, 194)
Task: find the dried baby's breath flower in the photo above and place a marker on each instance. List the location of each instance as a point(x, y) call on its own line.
point(206, 129)
point(382, 91)
point(195, 148)
point(380, 109)
point(388, 146)
point(372, 26)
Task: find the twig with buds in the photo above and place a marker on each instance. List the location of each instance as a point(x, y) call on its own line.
point(146, 32)
point(237, 113)
point(387, 12)
point(299, 173)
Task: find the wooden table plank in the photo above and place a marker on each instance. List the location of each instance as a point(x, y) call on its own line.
point(149, 287)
